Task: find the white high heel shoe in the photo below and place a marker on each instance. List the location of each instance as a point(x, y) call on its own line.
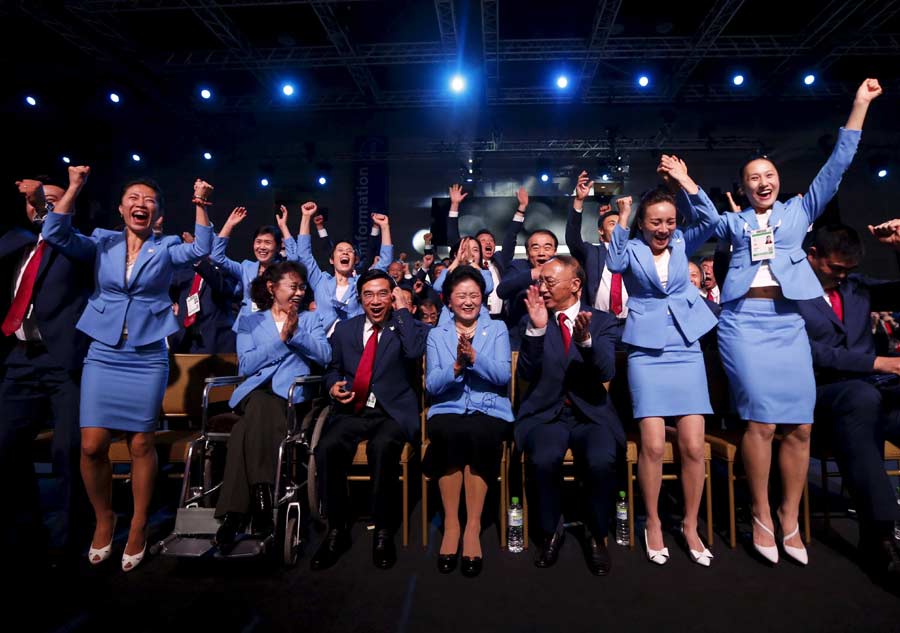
point(797, 553)
point(129, 562)
point(658, 556)
point(770, 552)
point(703, 558)
point(97, 555)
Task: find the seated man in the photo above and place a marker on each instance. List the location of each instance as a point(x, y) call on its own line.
point(374, 367)
point(857, 407)
point(567, 353)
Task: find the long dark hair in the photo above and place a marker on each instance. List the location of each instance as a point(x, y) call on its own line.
point(259, 289)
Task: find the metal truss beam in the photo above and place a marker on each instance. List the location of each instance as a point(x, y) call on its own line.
point(864, 42)
point(604, 19)
point(146, 6)
point(361, 75)
point(446, 19)
point(490, 41)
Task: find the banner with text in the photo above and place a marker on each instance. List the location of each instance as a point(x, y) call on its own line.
point(370, 188)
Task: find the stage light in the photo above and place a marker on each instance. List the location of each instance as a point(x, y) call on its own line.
point(205, 94)
point(737, 80)
point(288, 90)
point(458, 83)
point(809, 80)
point(545, 177)
point(323, 180)
point(469, 179)
point(264, 182)
point(114, 97)
point(643, 81)
point(604, 177)
point(66, 160)
point(31, 101)
point(136, 158)
point(882, 173)
point(207, 155)
point(562, 82)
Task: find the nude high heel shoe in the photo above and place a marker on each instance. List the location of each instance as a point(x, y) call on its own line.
point(770, 552)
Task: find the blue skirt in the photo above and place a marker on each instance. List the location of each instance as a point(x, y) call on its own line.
point(766, 355)
point(670, 381)
point(122, 386)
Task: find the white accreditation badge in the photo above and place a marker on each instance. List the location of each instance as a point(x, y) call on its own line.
point(193, 304)
point(370, 401)
point(254, 307)
point(762, 244)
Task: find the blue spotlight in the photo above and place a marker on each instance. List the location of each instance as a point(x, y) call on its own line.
point(604, 177)
point(31, 101)
point(643, 81)
point(207, 155)
point(288, 90)
point(545, 177)
point(114, 97)
point(562, 82)
point(205, 94)
point(66, 160)
point(882, 173)
point(809, 80)
point(458, 83)
point(469, 179)
point(323, 180)
point(738, 80)
point(264, 182)
point(136, 158)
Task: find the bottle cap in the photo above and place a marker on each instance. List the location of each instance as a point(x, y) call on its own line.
point(621, 494)
point(515, 500)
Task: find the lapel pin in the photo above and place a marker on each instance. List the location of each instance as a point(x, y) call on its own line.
point(391, 328)
point(151, 250)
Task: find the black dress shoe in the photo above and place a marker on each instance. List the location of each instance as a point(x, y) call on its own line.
point(550, 550)
point(447, 562)
point(384, 553)
point(261, 500)
point(599, 561)
point(881, 558)
point(471, 566)
point(228, 531)
point(336, 542)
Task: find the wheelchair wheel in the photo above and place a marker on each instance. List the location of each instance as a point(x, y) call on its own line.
point(288, 535)
point(312, 487)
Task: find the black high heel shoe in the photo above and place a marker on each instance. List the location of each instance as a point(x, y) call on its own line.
point(471, 566)
point(446, 563)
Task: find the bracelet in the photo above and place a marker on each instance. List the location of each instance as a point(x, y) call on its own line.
point(203, 202)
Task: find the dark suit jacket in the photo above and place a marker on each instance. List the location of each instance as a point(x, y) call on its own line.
point(553, 376)
point(397, 363)
point(212, 332)
point(501, 258)
point(847, 350)
point(512, 290)
point(592, 257)
point(61, 290)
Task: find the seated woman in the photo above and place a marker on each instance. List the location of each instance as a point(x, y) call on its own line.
point(267, 246)
point(468, 370)
point(274, 345)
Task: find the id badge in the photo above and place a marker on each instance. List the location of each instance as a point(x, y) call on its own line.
point(193, 304)
point(254, 307)
point(762, 244)
point(370, 401)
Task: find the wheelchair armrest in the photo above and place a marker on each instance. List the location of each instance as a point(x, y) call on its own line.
point(213, 383)
point(299, 381)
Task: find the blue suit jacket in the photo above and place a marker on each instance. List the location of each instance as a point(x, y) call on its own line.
point(61, 290)
point(790, 220)
point(397, 363)
point(212, 331)
point(482, 387)
point(328, 307)
point(649, 303)
point(264, 357)
point(553, 376)
point(142, 303)
point(592, 257)
point(846, 349)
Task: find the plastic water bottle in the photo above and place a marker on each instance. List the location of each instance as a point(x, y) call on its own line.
point(897, 523)
point(622, 537)
point(514, 535)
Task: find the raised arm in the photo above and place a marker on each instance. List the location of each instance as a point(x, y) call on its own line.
point(220, 243)
point(386, 254)
point(456, 198)
point(574, 240)
point(617, 255)
point(186, 253)
point(304, 245)
point(58, 229)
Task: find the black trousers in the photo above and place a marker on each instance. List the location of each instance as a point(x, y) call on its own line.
point(334, 455)
point(595, 450)
point(35, 392)
point(252, 456)
point(856, 418)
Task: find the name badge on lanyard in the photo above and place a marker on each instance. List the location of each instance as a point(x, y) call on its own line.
point(193, 304)
point(762, 244)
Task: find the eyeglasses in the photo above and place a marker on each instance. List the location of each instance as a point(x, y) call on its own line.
point(371, 294)
point(550, 282)
point(472, 296)
point(293, 287)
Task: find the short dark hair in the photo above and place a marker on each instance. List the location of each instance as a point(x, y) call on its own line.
point(352, 245)
point(749, 159)
point(572, 264)
point(485, 232)
point(267, 229)
point(259, 289)
point(371, 275)
point(459, 275)
point(608, 214)
point(654, 196)
point(837, 239)
point(544, 232)
point(147, 182)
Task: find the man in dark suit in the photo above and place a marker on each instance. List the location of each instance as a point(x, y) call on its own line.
point(857, 404)
point(44, 293)
point(374, 367)
point(206, 321)
point(567, 353)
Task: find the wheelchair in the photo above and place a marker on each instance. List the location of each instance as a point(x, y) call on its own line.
point(195, 521)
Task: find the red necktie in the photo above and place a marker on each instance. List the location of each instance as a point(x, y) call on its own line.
point(363, 376)
point(709, 295)
point(566, 335)
point(837, 304)
point(615, 294)
point(22, 300)
point(195, 289)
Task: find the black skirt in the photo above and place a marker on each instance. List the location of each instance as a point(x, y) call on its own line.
point(457, 441)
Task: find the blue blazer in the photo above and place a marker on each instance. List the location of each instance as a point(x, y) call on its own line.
point(482, 387)
point(397, 363)
point(61, 291)
point(790, 220)
point(212, 331)
point(143, 303)
point(263, 357)
point(245, 271)
point(553, 376)
point(649, 303)
point(592, 257)
point(843, 350)
point(328, 307)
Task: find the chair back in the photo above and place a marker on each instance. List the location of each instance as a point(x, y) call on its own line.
point(184, 393)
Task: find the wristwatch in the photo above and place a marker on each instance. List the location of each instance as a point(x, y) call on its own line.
point(40, 214)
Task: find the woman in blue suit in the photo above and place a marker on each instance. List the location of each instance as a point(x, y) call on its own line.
point(467, 377)
point(276, 344)
point(267, 246)
point(128, 317)
point(666, 318)
point(763, 344)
